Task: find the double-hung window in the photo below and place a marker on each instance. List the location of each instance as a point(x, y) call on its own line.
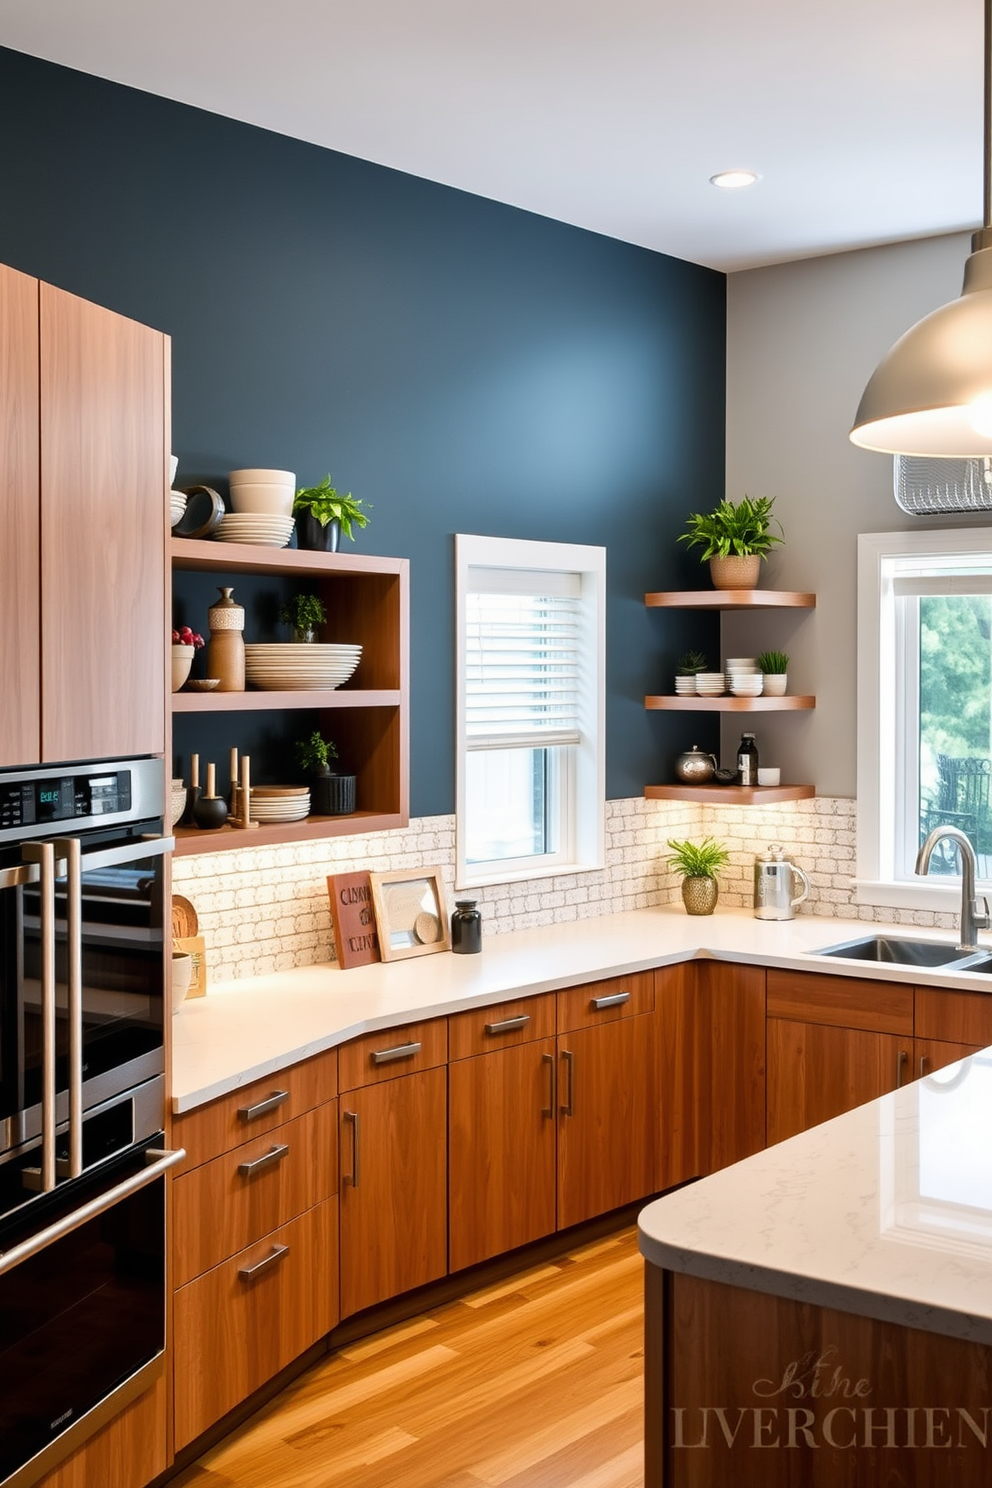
point(530, 708)
point(924, 708)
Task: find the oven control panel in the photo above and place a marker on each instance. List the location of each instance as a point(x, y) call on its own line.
point(63, 798)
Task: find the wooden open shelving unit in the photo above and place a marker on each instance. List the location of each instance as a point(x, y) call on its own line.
point(730, 599)
point(367, 600)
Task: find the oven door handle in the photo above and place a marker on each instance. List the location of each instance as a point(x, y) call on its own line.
point(159, 1162)
point(42, 854)
point(69, 849)
point(131, 852)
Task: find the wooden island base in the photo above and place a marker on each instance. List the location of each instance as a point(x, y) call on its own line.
point(747, 1390)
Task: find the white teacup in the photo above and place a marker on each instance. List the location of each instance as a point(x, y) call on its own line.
point(769, 775)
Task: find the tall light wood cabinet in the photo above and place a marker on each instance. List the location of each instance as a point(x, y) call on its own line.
point(84, 417)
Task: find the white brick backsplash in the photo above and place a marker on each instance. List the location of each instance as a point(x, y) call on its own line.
point(265, 909)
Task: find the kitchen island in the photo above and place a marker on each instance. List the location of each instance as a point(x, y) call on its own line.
point(821, 1313)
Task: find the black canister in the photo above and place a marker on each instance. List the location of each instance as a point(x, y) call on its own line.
point(466, 927)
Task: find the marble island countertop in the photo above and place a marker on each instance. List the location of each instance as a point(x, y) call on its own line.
point(885, 1211)
point(244, 1030)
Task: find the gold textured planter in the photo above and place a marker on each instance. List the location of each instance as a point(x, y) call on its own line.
point(699, 895)
point(735, 572)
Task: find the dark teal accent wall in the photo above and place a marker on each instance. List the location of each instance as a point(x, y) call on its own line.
point(462, 365)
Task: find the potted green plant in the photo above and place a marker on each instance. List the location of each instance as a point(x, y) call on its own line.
point(774, 665)
point(304, 612)
point(734, 539)
point(698, 863)
point(331, 794)
point(689, 665)
point(322, 514)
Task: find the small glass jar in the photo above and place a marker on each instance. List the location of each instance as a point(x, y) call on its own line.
point(466, 927)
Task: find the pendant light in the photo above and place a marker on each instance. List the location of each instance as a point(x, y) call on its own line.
point(932, 393)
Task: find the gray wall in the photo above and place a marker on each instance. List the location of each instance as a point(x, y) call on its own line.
point(802, 340)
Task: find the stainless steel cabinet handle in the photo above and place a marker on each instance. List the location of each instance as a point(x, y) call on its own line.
point(159, 1162)
point(924, 1061)
point(43, 853)
point(568, 1106)
point(352, 1116)
point(902, 1059)
point(507, 1025)
point(21, 873)
point(616, 999)
point(267, 1160)
point(252, 1113)
point(549, 1109)
point(108, 857)
point(248, 1273)
point(69, 848)
point(401, 1051)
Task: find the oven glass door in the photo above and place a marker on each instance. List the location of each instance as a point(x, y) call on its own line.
point(82, 1318)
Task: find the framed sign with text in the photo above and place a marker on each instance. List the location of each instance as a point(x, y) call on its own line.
point(353, 917)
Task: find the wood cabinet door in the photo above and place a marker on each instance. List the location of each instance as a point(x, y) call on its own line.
point(937, 1054)
point(728, 1036)
point(20, 601)
point(393, 1161)
point(128, 1452)
point(815, 1072)
point(103, 532)
point(606, 1118)
point(501, 1151)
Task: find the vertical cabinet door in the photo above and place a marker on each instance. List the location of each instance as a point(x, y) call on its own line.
point(816, 1072)
point(501, 1151)
point(20, 602)
point(394, 1232)
point(728, 1016)
point(103, 532)
point(606, 1118)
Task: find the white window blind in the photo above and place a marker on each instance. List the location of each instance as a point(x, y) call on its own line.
point(522, 658)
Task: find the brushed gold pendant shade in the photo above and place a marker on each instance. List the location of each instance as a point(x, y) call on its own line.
point(932, 393)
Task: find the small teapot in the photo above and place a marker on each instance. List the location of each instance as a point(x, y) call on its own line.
point(695, 767)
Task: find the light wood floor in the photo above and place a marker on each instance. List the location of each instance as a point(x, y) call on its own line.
point(534, 1383)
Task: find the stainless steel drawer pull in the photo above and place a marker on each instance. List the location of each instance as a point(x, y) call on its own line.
point(616, 999)
point(252, 1113)
point(402, 1051)
point(352, 1118)
point(567, 1106)
point(267, 1160)
point(508, 1025)
point(248, 1273)
point(549, 1109)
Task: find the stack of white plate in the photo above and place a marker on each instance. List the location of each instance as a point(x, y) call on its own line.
point(684, 686)
point(709, 684)
point(743, 675)
point(279, 803)
point(177, 506)
point(288, 665)
point(255, 527)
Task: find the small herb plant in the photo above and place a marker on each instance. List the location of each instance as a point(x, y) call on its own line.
point(773, 663)
point(690, 664)
point(303, 612)
point(326, 505)
point(315, 753)
point(698, 859)
point(186, 637)
point(742, 529)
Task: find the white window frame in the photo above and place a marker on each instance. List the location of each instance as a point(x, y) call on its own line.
point(583, 777)
point(886, 755)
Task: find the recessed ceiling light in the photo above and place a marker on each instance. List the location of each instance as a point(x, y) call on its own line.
point(733, 180)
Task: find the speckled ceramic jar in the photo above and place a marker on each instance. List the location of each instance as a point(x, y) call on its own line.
point(226, 647)
point(699, 895)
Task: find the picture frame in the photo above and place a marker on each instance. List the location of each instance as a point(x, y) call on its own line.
point(410, 913)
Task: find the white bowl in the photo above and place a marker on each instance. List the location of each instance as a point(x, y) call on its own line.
point(177, 506)
point(280, 478)
point(182, 975)
point(257, 497)
point(743, 663)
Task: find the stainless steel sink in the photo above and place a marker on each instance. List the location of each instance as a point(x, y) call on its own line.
point(891, 952)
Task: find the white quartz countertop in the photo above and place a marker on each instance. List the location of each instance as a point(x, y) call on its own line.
point(885, 1211)
point(244, 1030)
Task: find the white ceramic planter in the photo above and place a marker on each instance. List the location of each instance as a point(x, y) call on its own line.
point(775, 684)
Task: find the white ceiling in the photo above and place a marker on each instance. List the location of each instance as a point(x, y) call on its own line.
point(863, 117)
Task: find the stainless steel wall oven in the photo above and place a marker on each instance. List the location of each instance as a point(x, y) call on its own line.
point(83, 934)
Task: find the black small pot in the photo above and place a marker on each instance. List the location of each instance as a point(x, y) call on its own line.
point(313, 536)
point(210, 812)
point(332, 795)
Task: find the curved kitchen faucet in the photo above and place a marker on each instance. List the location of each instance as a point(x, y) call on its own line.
point(972, 917)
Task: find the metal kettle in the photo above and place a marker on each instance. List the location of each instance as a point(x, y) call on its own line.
point(775, 884)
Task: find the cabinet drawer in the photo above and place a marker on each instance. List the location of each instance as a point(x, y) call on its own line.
point(234, 1331)
point(225, 1205)
point(605, 1002)
point(841, 1002)
point(501, 1026)
point(255, 1109)
point(392, 1052)
point(954, 1017)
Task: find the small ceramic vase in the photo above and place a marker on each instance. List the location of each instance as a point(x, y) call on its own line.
point(734, 572)
point(699, 895)
point(332, 795)
point(312, 535)
point(226, 647)
point(775, 684)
